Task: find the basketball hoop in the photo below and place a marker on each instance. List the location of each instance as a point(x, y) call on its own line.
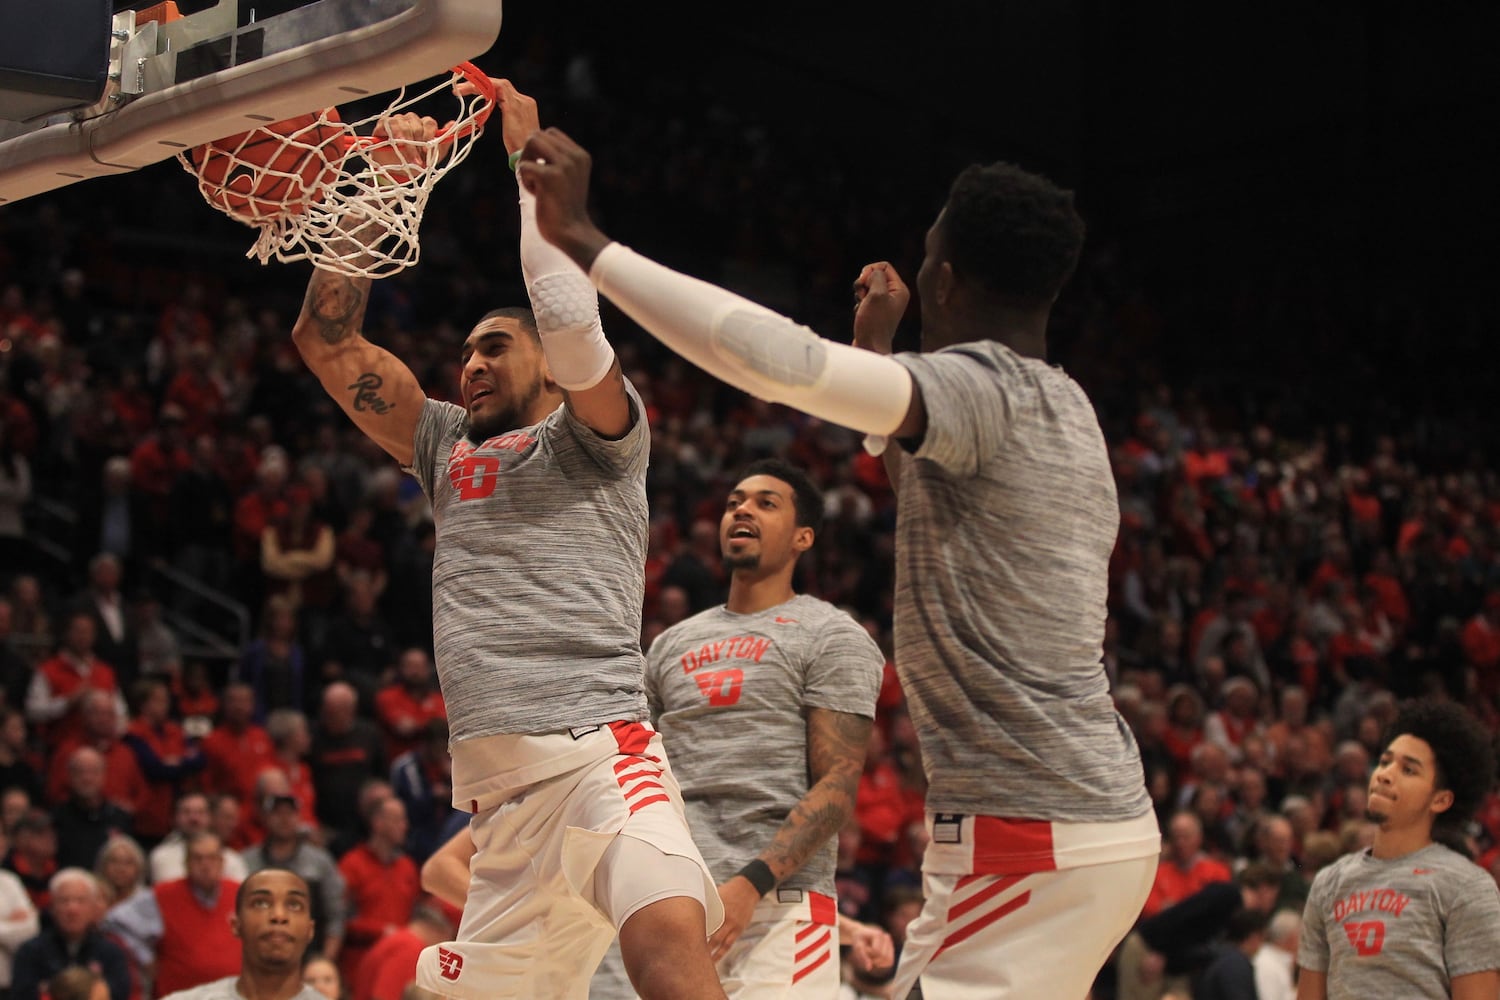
point(332, 192)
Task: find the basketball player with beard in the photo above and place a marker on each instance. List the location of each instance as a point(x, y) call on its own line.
point(537, 485)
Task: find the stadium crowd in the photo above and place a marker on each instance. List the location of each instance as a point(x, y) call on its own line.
point(1277, 586)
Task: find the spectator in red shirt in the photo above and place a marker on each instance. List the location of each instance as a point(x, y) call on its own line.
point(382, 884)
point(33, 856)
point(1481, 645)
point(57, 688)
point(391, 965)
point(1184, 868)
point(405, 707)
point(165, 755)
point(291, 738)
point(880, 805)
point(123, 783)
point(237, 750)
point(1184, 727)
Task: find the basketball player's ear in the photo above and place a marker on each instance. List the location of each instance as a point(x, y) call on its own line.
point(802, 539)
point(945, 284)
point(1442, 801)
point(234, 924)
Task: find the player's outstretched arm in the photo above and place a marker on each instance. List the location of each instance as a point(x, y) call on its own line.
point(836, 744)
point(744, 344)
point(563, 299)
point(373, 386)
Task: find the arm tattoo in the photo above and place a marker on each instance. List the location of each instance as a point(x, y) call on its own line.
point(836, 752)
point(336, 304)
point(367, 395)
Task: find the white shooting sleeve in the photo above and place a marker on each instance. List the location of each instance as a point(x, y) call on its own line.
point(754, 348)
point(566, 308)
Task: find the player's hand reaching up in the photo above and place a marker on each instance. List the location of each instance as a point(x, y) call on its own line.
point(880, 299)
point(401, 144)
point(518, 113)
point(555, 169)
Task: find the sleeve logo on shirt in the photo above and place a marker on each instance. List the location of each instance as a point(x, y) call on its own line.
point(450, 964)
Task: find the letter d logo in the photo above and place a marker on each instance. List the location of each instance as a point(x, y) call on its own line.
point(450, 964)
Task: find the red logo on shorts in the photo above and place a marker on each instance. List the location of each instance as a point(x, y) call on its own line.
point(450, 964)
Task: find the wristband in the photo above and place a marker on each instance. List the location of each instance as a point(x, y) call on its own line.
point(513, 159)
point(758, 874)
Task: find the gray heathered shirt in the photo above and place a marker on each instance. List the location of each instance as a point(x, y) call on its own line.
point(1006, 520)
point(731, 694)
point(1403, 927)
point(539, 571)
point(224, 989)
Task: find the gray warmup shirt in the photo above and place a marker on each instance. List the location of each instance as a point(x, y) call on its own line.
point(1005, 525)
point(539, 571)
point(1403, 927)
point(731, 694)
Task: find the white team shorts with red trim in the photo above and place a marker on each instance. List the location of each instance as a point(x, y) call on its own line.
point(788, 951)
point(1040, 931)
point(531, 926)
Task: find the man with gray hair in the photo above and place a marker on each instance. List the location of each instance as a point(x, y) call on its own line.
point(1276, 960)
point(73, 938)
point(180, 928)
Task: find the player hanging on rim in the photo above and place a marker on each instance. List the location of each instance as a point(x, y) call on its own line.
point(766, 703)
point(1410, 916)
point(1043, 842)
point(538, 491)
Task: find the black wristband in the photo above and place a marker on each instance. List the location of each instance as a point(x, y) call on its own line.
point(758, 874)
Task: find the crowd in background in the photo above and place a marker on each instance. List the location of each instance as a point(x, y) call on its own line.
point(1285, 572)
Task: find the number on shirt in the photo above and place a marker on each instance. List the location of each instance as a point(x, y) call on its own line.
point(722, 687)
point(475, 477)
point(1367, 936)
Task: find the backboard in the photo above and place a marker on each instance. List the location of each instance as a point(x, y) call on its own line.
point(180, 81)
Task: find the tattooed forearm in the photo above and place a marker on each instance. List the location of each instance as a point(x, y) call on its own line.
point(367, 397)
point(836, 751)
point(336, 304)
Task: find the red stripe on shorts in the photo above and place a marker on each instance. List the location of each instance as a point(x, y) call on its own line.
point(987, 893)
point(822, 909)
point(1012, 845)
point(632, 737)
point(983, 922)
point(640, 804)
point(806, 970)
point(821, 942)
point(638, 789)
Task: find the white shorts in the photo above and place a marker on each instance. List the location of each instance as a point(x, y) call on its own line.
point(789, 951)
point(532, 926)
point(1040, 936)
point(1024, 909)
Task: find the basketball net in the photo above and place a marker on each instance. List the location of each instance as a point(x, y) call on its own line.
point(329, 192)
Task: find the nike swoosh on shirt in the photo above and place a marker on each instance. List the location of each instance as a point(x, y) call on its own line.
point(785, 621)
point(1421, 871)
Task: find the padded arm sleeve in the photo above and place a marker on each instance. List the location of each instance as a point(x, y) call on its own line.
point(753, 348)
point(566, 308)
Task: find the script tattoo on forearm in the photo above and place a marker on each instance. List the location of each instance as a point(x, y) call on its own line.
point(367, 395)
point(336, 303)
point(836, 751)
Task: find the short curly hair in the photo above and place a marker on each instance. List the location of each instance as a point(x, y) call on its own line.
point(1462, 749)
point(1015, 234)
